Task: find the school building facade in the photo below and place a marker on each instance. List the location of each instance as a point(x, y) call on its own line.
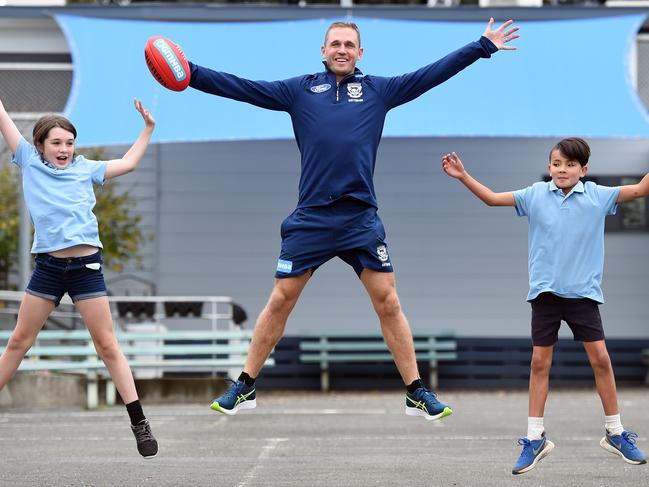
point(214, 208)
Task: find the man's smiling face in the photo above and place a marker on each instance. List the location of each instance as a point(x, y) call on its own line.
point(341, 51)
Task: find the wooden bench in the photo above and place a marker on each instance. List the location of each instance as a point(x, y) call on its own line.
point(196, 351)
point(370, 348)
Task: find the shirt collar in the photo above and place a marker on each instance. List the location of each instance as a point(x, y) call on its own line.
point(48, 164)
point(357, 72)
point(579, 187)
point(52, 166)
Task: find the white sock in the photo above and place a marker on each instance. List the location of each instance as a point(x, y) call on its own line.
point(613, 424)
point(534, 428)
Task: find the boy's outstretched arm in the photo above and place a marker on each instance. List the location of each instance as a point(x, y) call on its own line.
point(9, 130)
point(634, 191)
point(452, 165)
point(131, 159)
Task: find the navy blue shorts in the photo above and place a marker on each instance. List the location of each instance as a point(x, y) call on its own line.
point(581, 314)
point(348, 228)
point(80, 277)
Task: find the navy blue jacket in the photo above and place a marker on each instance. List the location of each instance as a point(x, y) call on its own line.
point(338, 126)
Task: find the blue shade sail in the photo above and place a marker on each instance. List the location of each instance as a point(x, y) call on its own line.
point(568, 77)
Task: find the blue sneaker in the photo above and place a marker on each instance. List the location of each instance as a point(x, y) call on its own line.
point(423, 402)
point(624, 445)
point(238, 396)
point(533, 452)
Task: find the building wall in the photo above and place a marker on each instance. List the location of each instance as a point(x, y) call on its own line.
point(215, 209)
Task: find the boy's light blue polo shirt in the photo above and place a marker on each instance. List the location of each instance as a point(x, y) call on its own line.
point(60, 201)
point(566, 237)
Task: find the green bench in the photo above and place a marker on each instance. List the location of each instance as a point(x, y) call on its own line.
point(329, 348)
point(73, 351)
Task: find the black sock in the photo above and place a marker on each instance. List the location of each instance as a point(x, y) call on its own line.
point(250, 381)
point(414, 385)
point(135, 412)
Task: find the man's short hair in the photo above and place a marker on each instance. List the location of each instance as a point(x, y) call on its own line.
point(344, 25)
point(573, 149)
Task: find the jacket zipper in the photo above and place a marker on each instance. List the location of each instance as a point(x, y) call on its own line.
point(338, 85)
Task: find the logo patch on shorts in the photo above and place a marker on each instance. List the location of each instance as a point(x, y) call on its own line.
point(382, 252)
point(285, 266)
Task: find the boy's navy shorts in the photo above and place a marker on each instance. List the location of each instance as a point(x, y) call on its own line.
point(582, 316)
point(348, 228)
point(80, 277)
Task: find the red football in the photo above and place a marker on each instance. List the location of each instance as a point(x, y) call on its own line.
point(167, 63)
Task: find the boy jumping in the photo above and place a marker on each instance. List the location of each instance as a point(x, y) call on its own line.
point(566, 261)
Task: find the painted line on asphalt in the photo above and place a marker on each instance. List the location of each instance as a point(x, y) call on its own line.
point(266, 450)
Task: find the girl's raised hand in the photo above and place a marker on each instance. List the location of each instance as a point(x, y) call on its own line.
point(149, 121)
point(9, 130)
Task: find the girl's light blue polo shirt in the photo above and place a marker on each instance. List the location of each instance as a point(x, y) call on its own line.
point(566, 237)
point(60, 201)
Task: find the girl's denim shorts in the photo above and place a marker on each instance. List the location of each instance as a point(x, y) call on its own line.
point(80, 277)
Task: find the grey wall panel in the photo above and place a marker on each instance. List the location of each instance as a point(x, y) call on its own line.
point(143, 187)
point(460, 265)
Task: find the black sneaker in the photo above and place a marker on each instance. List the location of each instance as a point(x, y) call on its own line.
point(146, 442)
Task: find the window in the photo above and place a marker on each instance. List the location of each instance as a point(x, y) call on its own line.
point(632, 216)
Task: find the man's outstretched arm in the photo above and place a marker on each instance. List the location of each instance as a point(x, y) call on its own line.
point(273, 95)
point(402, 89)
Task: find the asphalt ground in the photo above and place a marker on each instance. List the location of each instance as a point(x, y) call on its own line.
point(338, 439)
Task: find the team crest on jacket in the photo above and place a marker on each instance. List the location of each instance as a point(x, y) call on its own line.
point(321, 88)
point(354, 91)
